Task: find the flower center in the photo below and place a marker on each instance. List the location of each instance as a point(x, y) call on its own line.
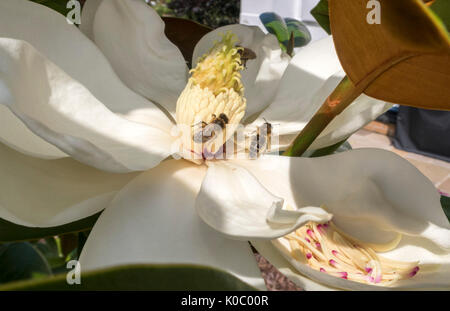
point(210, 108)
point(327, 249)
point(219, 69)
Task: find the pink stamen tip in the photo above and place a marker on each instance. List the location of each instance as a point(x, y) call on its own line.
point(344, 277)
point(308, 240)
point(319, 227)
point(332, 262)
point(318, 245)
point(309, 255)
point(413, 273)
point(310, 233)
point(334, 252)
point(326, 225)
point(368, 269)
point(343, 274)
point(323, 270)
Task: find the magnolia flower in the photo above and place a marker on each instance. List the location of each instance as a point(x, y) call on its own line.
point(87, 123)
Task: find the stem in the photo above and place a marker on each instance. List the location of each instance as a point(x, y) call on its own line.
point(343, 95)
point(327, 150)
point(291, 44)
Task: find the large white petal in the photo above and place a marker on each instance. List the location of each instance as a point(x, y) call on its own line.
point(131, 35)
point(88, 16)
point(63, 112)
point(262, 75)
point(45, 193)
point(373, 194)
point(16, 135)
point(233, 202)
point(64, 45)
point(310, 78)
point(153, 220)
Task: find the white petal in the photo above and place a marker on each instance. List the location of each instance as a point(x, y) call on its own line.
point(16, 135)
point(373, 194)
point(131, 35)
point(64, 45)
point(63, 112)
point(45, 193)
point(311, 76)
point(88, 16)
point(233, 202)
point(262, 76)
point(153, 220)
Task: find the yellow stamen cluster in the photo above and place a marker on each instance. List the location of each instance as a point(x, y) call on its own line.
point(219, 69)
point(213, 91)
point(326, 248)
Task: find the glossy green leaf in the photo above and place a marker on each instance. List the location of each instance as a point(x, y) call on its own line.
point(302, 36)
point(21, 261)
point(320, 13)
point(12, 232)
point(276, 26)
point(442, 9)
point(141, 277)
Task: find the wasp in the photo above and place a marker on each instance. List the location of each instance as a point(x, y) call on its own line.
point(261, 140)
point(208, 130)
point(246, 54)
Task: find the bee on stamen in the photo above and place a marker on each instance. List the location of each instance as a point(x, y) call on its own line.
point(261, 141)
point(246, 54)
point(210, 130)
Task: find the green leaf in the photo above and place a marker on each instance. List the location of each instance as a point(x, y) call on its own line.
point(445, 202)
point(276, 26)
point(302, 36)
point(59, 6)
point(21, 261)
point(10, 232)
point(442, 9)
point(320, 13)
point(141, 277)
